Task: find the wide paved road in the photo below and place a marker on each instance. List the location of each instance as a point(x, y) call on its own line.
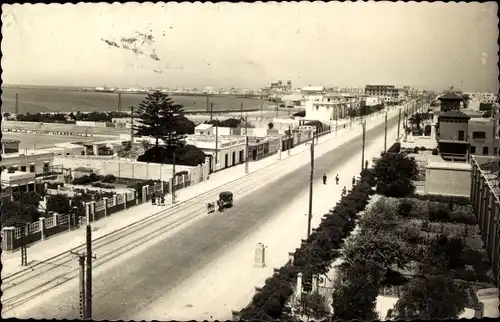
point(129, 287)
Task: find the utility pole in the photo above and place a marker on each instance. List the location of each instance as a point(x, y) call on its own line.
point(309, 217)
point(119, 102)
point(241, 111)
point(211, 111)
point(81, 292)
point(88, 291)
point(261, 112)
point(216, 142)
point(399, 120)
point(246, 147)
point(208, 105)
point(363, 148)
point(277, 110)
point(173, 177)
point(385, 132)
point(17, 104)
point(336, 119)
point(24, 240)
point(131, 125)
point(289, 139)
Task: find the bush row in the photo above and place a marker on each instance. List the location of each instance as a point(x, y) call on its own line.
point(93, 178)
point(313, 257)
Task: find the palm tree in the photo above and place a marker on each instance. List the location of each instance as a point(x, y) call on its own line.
point(416, 119)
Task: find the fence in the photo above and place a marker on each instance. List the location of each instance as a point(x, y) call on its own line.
point(94, 210)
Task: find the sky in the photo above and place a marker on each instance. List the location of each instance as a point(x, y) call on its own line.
point(424, 45)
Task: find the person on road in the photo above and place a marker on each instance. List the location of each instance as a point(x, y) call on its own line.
point(366, 164)
point(344, 191)
point(324, 178)
point(353, 180)
point(337, 179)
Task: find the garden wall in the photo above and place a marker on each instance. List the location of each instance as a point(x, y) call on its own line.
point(122, 168)
point(445, 178)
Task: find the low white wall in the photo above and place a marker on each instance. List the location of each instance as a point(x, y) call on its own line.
point(132, 169)
point(451, 181)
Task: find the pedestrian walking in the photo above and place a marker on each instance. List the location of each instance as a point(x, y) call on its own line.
point(337, 179)
point(366, 164)
point(344, 191)
point(324, 178)
point(353, 180)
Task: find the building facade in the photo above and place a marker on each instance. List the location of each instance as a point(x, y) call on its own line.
point(382, 90)
point(224, 151)
point(328, 108)
point(450, 102)
point(451, 134)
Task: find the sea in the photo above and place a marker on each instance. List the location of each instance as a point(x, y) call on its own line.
point(36, 99)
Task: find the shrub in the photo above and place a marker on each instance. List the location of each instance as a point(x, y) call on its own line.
point(188, 155)
point(463, 201)
point(102, 185)
point(395, 148)
point(394, 173)
point(311, 258)
point(415, 150)
point(58, 203)
point(422, 148)
point(109, 178)
point(463, 215)
point(435, 151)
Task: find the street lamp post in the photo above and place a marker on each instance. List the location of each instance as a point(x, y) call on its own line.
point(363, 149)
point(173, 178)
point(309, 217)
point(399, 120)
point(385, 132)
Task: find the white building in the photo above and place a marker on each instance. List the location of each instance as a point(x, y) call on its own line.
point(313, 93)
point(374, 100)
point(224, 151)
point(22, 169)
point(292, 100)
point(327, 108)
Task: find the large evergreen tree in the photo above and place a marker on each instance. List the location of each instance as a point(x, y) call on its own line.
point(159, 117)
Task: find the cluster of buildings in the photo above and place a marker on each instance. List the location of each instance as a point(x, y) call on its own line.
point(462, 131)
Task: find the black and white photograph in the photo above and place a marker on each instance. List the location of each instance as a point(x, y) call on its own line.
point(265, 161)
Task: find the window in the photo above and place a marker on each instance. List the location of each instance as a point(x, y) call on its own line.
point(479, 135)
point(485, 150)
point(472, 149)
point(495, 150)
point(461, 135)
point(23, 168)
point(32, 168)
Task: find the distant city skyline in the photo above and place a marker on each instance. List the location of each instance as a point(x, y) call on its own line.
point(423, 45)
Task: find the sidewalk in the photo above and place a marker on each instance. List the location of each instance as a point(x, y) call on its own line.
point(228, 282)
point(66, 241)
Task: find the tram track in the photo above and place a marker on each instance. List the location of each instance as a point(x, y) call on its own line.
point(19, 288)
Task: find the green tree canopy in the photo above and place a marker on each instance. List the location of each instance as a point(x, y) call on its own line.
point(312, 305)
point(429, 298)
point(394, 173)
point(58, 203)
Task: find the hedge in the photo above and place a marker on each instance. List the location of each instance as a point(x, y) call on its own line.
point(321, 246)
point(395, 148)
point(462, 201)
